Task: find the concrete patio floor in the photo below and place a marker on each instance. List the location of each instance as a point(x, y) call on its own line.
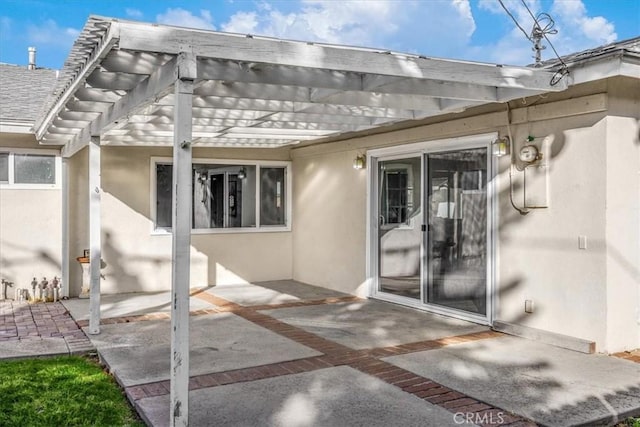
point(288, 354)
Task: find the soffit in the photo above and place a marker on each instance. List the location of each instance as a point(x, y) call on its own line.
point(255, 91)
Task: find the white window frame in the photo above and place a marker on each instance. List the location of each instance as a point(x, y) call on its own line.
point(12, 185)
point(239, 162)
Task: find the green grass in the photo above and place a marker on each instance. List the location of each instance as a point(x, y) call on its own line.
point(61, 391)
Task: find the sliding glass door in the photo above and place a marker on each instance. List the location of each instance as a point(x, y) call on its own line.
point(456, 258)
point(432, 230)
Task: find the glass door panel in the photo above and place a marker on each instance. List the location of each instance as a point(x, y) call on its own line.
point(456, 248)
point(399, 227)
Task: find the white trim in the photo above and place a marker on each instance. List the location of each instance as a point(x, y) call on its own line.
point(11, 185)
point(422, 149)
point(154, 160)
point(16, 127)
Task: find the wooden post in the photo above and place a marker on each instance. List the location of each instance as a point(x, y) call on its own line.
point(181, 246)
point(64, 280)
point(94, 235)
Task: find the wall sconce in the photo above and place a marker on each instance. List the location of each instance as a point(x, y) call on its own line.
point(242, 173)
point(500, 147)
point(359, 162)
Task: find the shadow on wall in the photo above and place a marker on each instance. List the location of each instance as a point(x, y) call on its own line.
point(27, 256)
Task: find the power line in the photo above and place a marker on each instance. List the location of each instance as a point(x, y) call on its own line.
point(544, 31)
point(515, 20)
point(537, 33)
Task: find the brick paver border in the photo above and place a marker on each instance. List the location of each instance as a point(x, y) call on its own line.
point(633, 356)
point(24, 321)
point(334, 354)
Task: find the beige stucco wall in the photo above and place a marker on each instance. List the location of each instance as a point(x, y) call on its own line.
point(136, 259)
point(30, 227)
point(584, 293)
point(623, 216)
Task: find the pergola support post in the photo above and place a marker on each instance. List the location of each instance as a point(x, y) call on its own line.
point(94, 235)
point(64, 280)
point(181, 245)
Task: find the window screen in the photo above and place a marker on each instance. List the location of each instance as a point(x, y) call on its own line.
point(34, 169)
point(4, 167)
point(272, 196)
point(164, 178)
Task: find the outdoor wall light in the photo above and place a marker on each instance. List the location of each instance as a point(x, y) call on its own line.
point(242, 173)
point(500, 147)
point(359, 162)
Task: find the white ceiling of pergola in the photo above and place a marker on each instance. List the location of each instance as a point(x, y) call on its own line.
point(254, 91)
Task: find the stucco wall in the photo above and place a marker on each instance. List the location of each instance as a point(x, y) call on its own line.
point(538, 255)
point(623, 216)
point(136, 259)
point(30, 227)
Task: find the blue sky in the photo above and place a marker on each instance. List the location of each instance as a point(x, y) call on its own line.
point(477, 30)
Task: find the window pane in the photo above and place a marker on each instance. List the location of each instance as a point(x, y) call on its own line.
point(4, 167)
point(34, 169)
point(272, 196)
point(164, 178)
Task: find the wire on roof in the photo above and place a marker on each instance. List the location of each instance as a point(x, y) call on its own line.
point(547, 29)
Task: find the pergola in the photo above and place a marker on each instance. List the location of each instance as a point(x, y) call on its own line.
point(130, 84)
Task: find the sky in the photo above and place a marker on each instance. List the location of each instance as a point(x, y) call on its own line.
point(477, 30)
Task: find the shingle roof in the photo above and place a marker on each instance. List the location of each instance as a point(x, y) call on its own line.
point(23, 91)
point(623, 47)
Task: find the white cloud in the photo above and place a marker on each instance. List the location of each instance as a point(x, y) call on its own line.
point(579, 29)
point(184, 18)
point(49, 33)
point(133, 13)
point(242, 22)
point(384, 23)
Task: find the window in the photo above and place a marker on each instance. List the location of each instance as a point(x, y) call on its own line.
point(4, 167)
point(29, 169)
point(227, 195)
point(34, 169)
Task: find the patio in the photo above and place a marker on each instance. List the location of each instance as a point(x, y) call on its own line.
point(286, 353)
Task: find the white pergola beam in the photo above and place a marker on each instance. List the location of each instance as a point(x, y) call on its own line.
point(95, 254)
point(376, 99)
point(181, 243)
point(208, 44)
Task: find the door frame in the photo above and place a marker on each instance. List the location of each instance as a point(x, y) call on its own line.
point(421, 149)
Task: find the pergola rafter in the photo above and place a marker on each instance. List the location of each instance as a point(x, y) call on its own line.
point(121, 74)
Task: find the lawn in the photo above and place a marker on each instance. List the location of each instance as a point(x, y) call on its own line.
point(61, 391)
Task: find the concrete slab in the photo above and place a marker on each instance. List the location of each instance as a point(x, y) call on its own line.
point(131, 304)
point(273, 292)
point(329, 397)
point(550, 385)
point(139, 352)
point(370, 324)
point(18, 349)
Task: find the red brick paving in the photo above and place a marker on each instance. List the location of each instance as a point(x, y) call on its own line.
point(23, 321)
point(633, 356)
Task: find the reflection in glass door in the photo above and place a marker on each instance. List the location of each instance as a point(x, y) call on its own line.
point(399, 227)
point(432, 230)
point(456, 256)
